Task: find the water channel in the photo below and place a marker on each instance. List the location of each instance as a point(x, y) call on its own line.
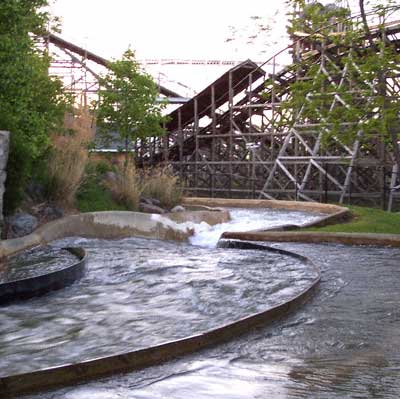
point(344, 343)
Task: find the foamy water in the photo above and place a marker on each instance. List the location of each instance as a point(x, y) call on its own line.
point(244, 219)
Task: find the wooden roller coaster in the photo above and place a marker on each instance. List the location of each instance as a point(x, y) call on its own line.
point(229, 140)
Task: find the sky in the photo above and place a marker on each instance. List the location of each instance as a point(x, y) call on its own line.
point(179, 29)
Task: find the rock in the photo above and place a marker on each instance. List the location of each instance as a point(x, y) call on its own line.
point(148, 208)
point(145, 200)
point(150, 201)
point(21, 224)
point(35, 191)
point(155, 201)
point(178, 208)
point(51, 213)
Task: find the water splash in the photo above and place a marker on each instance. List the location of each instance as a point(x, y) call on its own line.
point(243, 219)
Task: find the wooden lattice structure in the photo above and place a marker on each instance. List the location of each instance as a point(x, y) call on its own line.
point(231, 140)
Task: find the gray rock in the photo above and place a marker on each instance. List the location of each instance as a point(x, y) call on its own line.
point(21, 224)
point(145, 200)
point(147, 208)
point(178, 208)
point(150, 201)
point(35, 191)
point(155, 201)
point(51, 213)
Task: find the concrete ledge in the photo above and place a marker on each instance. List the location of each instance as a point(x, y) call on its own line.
point(135, 360)
point(113, 225)
point(44, 283)
point(334, 213)
point(392, 240)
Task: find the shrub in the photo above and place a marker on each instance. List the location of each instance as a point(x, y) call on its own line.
point(69, 156)
point(125, 185)
point(93, 196)
point(161, 184)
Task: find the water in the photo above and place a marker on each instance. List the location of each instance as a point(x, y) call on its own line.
point(244, 219)
point(344, 343)
point(138, 293)
point(35, 262)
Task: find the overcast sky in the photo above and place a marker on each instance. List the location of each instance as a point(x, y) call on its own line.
point(179, 29)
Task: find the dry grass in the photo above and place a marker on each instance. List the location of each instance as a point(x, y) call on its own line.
point(126, 187)
point(69, 156)
point(161, 184)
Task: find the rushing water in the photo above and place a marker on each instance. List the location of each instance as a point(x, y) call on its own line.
point(138, 293)
point(244, 219)
point(344, 343)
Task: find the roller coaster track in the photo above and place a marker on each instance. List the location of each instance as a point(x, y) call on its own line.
point(277, 84)
point(228, 105)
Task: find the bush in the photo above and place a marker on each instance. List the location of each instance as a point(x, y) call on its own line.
point(161, 184)
point(69, 156)
point(125, 186)
point(92, 196)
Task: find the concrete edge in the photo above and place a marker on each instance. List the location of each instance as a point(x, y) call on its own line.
point(334, 213)
point(114, 225)
point(121, 363)
point(41, 284)
point(392, 240)
point(261, 203)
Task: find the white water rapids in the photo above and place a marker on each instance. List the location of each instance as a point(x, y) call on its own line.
point(244, 219)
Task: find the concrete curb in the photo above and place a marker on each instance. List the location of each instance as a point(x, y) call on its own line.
point(392, 240)
point(106, 366)
point(113, 225)
point(44, 283)
point(334, 213)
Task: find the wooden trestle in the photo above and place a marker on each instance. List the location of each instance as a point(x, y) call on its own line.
point(231, 139)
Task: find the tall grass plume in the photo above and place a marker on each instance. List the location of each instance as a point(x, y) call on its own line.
point(69, 156)
point(162, 184)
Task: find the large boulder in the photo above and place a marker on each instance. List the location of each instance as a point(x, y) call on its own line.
point(21, 224)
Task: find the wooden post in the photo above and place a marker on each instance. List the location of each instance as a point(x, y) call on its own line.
point(214, 132)
point(196, 138)
point(230, 142)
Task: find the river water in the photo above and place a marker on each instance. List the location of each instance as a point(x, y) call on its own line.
point(344, 343)
point(138, 293)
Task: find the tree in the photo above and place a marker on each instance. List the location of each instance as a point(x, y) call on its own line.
point(128, 102)
point(351, 92)
point(31, 103)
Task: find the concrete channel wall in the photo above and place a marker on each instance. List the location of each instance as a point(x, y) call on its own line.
point(113, 225)
point(333, 213)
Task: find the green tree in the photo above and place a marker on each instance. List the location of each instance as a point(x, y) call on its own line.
point(128, 102)
point(352, 101)
point(31, 103)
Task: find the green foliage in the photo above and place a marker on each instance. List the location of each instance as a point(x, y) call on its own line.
point(93, 196)
point(31, 103)
point(345, 104)
point(367, 220)
point(128, 102)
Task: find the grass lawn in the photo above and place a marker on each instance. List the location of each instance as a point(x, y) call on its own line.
point(366, 220)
